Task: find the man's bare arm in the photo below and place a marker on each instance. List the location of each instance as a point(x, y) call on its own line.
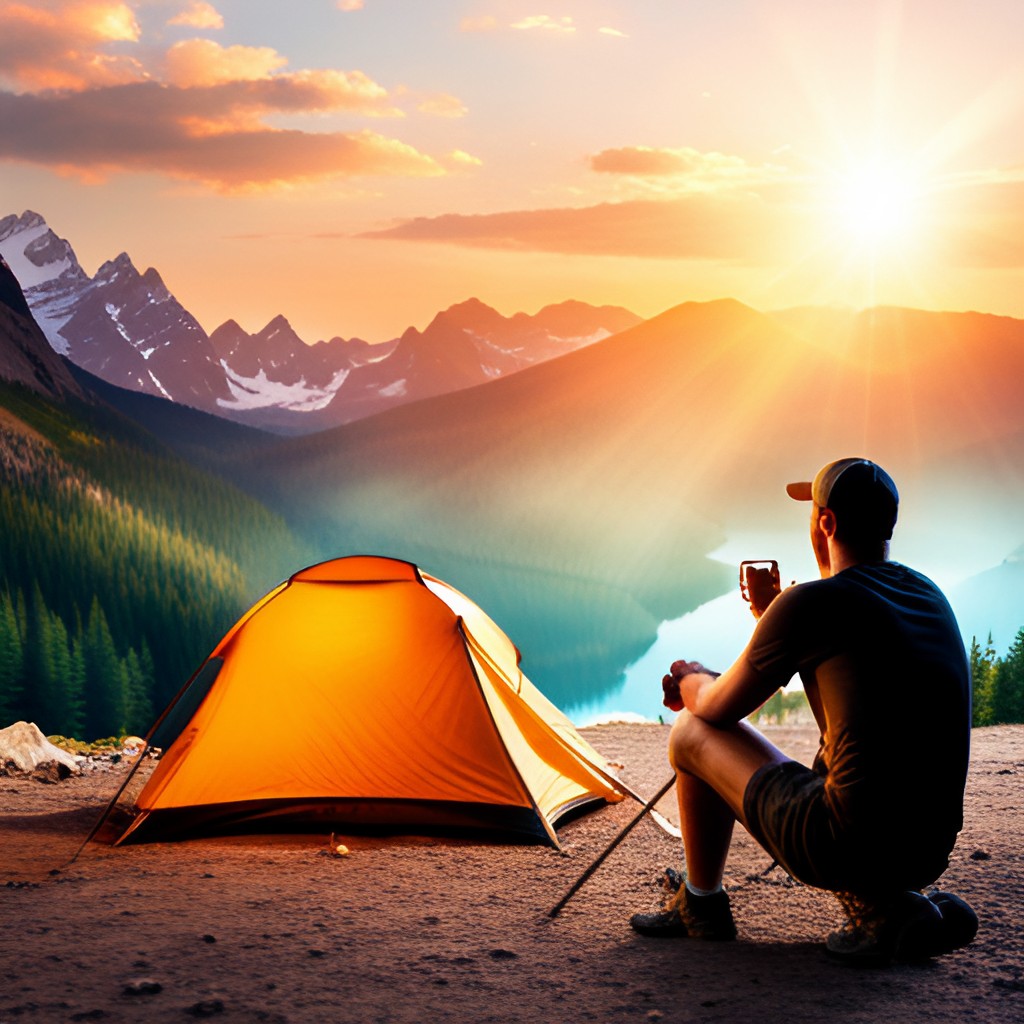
point(718, 699)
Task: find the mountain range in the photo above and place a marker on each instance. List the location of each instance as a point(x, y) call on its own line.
point(585, 499)
point(129, 330)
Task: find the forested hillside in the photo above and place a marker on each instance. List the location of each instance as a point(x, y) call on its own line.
point(120, 566)
point(998, 683)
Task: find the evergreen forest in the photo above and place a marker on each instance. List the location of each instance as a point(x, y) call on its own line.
point(121, 566)
point(998, 682)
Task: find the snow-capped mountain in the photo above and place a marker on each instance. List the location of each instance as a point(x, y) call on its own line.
point(275, 368)
point(123, 326)
point(46, 269)
point(128, 329)
point(470, 343)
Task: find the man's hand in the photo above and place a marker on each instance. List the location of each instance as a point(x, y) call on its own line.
point(673, 698)
point(759, 586)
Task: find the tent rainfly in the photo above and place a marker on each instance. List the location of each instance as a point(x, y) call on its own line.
point(361, 692)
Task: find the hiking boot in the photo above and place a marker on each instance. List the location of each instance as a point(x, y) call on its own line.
point(672, 881)
point(959, 922)
point(904, 926)
point(699, 917)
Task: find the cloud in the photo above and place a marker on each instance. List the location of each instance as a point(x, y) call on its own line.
point(546, 23)
point(205, 134)
point(60, 44)
point(200, 111)
point(691, 165)
point(461, 158)
point(349, 5)
point(443, 105)
point(204, 62)
point(198, 14)
point(774, 221)
point(531, 23)
point(483, 23)
point(740, 227)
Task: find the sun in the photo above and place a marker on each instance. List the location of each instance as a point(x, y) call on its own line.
point(879, 204)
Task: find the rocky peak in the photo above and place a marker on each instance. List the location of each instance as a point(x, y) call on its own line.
point(226, 338)
point(472, 315)
point(121, 266)
point(13, 225)
point(48, 248)
point(154, 283)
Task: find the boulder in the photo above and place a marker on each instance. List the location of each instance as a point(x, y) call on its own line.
point(25, 745)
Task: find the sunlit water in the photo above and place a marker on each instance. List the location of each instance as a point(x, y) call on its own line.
point(717, 632)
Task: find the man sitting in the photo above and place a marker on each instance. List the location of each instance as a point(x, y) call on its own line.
point(884, 670)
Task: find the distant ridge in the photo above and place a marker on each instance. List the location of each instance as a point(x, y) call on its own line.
point(126, 328)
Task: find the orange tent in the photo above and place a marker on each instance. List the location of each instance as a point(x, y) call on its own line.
point(361, 692)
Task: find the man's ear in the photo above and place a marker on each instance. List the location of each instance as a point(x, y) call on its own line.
point(827, 522)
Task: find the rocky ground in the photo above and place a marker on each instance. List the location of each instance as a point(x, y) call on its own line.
point(416, 929)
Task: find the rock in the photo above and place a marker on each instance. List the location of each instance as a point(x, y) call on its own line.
point(24, 744)
point(143, 987)
point(51, 771)
point(206, 1008)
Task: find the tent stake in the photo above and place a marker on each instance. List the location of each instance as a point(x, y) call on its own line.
point(557, 908)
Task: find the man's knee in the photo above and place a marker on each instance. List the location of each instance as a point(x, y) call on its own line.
point(688, 735)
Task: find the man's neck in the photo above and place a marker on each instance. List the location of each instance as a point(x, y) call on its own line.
point(841, 558)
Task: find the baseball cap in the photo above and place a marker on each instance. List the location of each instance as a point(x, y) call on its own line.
point(857, 491)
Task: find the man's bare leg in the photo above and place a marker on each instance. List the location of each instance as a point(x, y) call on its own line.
point(713, 767)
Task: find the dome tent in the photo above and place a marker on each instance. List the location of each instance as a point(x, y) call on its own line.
point(388, 698)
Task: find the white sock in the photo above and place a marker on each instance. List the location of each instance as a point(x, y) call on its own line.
point(694, 891)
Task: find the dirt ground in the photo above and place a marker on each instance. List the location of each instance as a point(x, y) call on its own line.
point(426, 929)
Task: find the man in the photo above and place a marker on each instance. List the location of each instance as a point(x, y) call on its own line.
point(883, 666)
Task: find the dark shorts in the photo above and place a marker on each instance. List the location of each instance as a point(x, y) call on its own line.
point(784, 807)
point(785, 811)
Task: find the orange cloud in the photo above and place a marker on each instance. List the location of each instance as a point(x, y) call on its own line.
point(443, 105)
point(460, 158)
point(483, 23)
point(778, 224)
point(59, 44)
point(739, 227)
point(546, 23)
point(90, 113)
point(204, 134)
point(644, 161)
point(350, 5)
point(199, 15)
point(204, 62)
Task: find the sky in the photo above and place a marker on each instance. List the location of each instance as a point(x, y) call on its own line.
point(359, 165)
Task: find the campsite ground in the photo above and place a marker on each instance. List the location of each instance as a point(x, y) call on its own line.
point(415, 929)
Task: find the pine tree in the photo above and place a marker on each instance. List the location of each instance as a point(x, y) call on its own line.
point(104, 678)
point(138, 706)
point(74, 712)
point(42, 697)
point(1008, 687)
point(11, 663)
point(58, 719)
point(983, 663)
